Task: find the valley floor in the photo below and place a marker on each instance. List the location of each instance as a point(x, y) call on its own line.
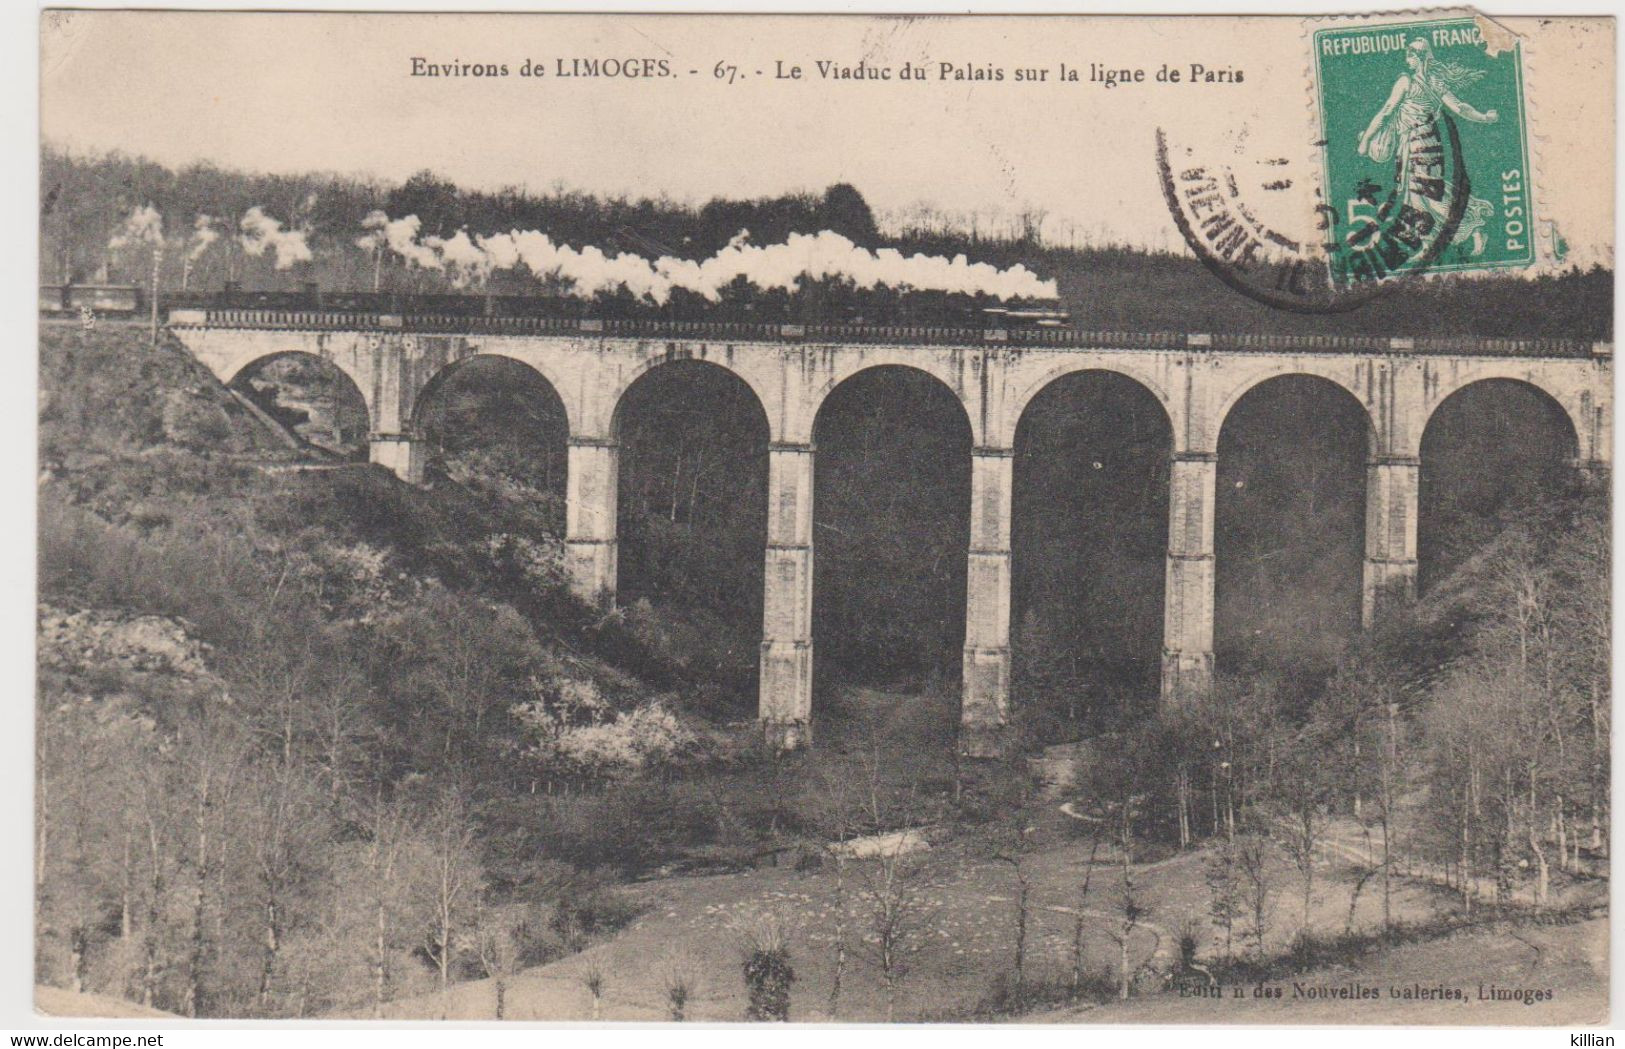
point(967, 938)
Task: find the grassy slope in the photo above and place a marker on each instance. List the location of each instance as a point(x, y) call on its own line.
point(969, 943)
point(1570, 960)
point(54, 1001)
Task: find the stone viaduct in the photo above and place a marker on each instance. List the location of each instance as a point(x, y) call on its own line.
point(393, 360)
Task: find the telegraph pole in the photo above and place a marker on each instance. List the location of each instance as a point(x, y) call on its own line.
point(157, 260)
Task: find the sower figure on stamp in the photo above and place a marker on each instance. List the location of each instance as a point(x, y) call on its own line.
point(1405, 130)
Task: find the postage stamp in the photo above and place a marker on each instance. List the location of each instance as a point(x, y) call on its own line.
point(1423, 149)
point(563, 517)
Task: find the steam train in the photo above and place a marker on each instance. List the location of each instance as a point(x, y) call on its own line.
point(108, 300)
point(819, 306)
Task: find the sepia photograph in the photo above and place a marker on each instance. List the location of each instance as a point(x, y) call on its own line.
point(822, 518)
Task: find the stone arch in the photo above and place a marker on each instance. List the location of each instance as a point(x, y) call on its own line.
point(1481, 455)
point(358, 393)
point(1291, 502)
point(915, 623)
point(240, 368)
point(1336, 372)
point(629, 377)
point(1569, 410)
point(946, 365)
point(1090, 488)
point(692, 445)
point(437, 381)
point(821, 395)
point(1017, 410)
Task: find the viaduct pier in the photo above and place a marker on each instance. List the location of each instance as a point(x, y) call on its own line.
point(394, 360)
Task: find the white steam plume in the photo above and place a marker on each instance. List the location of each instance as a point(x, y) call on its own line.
point(262, 233)
point(142, 226)
point(203, 235)
point(776, 266)
point(375, 237)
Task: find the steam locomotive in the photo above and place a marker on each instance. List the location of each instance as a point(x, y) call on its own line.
point(816, 306)
point(108, 300)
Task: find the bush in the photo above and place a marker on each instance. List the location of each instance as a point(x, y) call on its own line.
point(1006, 996)
point(767, 970)
point(593, 911)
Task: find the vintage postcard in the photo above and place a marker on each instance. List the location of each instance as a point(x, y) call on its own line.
point(703, 518)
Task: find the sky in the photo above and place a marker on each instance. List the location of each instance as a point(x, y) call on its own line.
point(334, 92)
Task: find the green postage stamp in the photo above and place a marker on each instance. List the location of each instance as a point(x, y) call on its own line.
point(1424, 150)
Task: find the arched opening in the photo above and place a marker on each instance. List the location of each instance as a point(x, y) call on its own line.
point(891, 533)
point(309, 403)
point(1490, 451)
point(1289, 526)
point(1089, 539)
point(498, 428)
point(692, 522)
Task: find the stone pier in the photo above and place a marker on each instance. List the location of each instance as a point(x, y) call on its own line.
point(1197, 378)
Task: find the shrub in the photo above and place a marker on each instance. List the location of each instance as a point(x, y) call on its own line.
point(768, 976)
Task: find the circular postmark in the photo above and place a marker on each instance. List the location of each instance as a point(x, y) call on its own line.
point(1380, 241)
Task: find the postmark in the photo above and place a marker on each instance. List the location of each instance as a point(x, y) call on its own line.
point(1216, 206)
point(1420, 166)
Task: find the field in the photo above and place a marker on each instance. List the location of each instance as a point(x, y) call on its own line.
point(964, 935)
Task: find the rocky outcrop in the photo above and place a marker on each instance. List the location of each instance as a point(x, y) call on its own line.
point(73, 642)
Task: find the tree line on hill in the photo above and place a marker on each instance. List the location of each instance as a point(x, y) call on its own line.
point(86, 200)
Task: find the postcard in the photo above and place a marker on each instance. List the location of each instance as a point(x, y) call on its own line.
point(863, 518)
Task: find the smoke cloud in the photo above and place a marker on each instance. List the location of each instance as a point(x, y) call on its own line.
point(203, 235)
point(262, 233)
point(589, 270)
point(143, 226)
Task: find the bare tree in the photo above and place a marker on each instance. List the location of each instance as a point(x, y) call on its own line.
point(1252, 860)
point(284, 830)
point(679, 978)
point(894, 893)
point(1129, 914)
point(450, 878)
point(209, 753)
point(1224, 885)
point(1301, 825)
point(1080, 907)
point(1014, 852)
point(834, 816)
point(592, 978)
point(383, 884)
point(497, 935)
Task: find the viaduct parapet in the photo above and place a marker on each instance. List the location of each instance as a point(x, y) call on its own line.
point(394, 360)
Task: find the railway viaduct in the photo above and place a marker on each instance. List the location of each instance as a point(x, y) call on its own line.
point(394, 360)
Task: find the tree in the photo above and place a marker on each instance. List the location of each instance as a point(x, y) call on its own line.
point(844, 211)
point(86, 876)
point(834, 814)
point(1130, 911)
point(285, 831)
point(892, 889)
point(209, 751)
point(436, 201)
point(379, 880)
point(766, 968)
point(679, 977)
point(1079, 910)
point(1223, 877)
point(498, 937)
point(1301, 793)
point(1014, 852)
point(449, 878)
point(1252, 854)
point(592, 978)
point(462, 660)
